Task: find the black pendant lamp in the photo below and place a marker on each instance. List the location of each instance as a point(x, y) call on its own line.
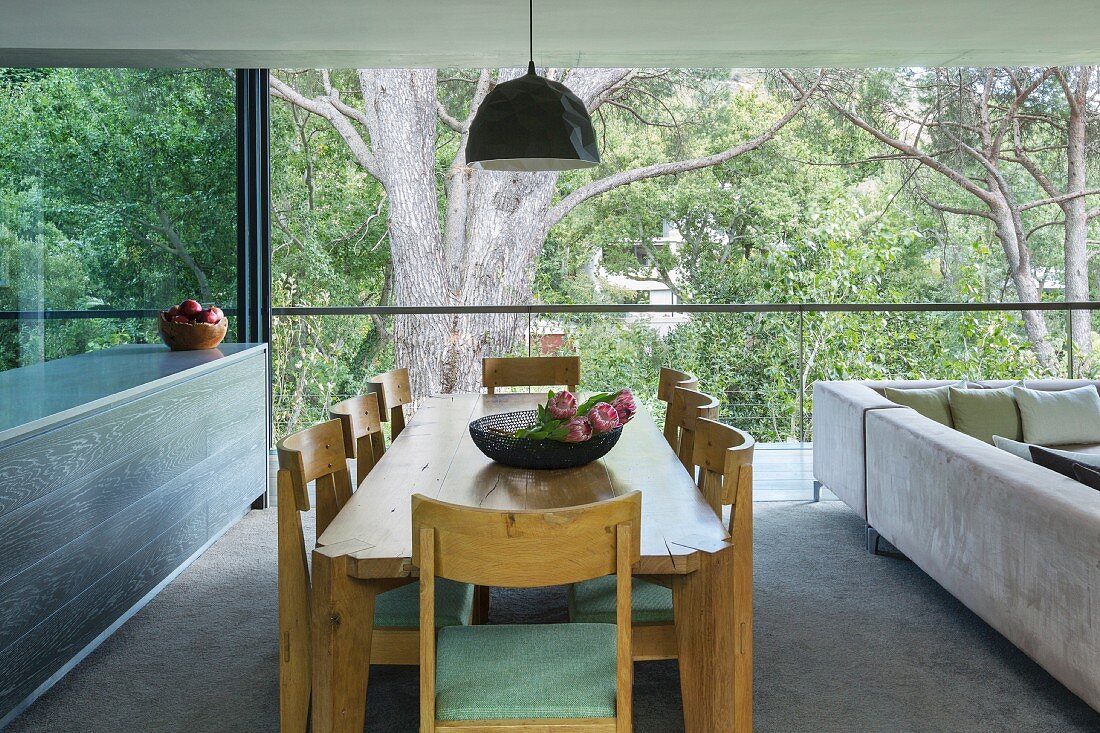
point(532, 124)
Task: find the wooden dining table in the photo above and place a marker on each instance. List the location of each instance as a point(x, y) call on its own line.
point(367, 549)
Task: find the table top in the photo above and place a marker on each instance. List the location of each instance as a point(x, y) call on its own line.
point(42, 395)
point(435, 456)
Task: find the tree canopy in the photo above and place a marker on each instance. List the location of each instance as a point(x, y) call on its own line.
point(717, 186)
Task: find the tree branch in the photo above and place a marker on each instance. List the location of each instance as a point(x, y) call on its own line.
point(338, 117)
point(1059, 199)
point(447, 119)
point(946, 209)
point(623, 178)
point(912, 151)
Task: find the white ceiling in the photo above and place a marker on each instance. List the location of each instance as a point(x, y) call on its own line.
point(723, 33)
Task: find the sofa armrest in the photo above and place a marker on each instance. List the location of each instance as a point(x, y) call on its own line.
point(839, 410)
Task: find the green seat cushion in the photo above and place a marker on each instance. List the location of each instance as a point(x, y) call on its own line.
point(400, 607)
point(593, 602)
point(523, 672)
point(932, 402)
point(983, 413)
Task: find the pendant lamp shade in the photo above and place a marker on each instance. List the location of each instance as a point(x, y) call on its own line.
point(532, 124)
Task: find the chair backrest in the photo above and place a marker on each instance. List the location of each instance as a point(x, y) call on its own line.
point(316, 454)
point(687, 407)
point(523, 549)
point(530, 371)
point(360, 418)
point(724, 457)
point(393, 392)
point(669, 380)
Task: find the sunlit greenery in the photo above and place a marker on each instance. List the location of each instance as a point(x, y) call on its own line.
point(117, 189)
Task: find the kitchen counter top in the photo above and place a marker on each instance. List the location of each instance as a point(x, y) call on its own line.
point(38, 397)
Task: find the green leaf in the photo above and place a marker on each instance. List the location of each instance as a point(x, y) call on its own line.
point(594, 400)
point(559, 434)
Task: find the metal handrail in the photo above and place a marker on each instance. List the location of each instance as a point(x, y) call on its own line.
point(534, 308)
point(62, 315)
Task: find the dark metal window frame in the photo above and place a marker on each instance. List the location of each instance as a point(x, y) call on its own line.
point(253, 221)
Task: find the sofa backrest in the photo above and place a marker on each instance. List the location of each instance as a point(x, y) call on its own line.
point(840, 410)
point(880, 385)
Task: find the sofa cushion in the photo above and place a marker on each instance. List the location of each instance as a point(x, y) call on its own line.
point(1069, 416)
point(1088, 476)
point(983, 413)
point(1063, 461)
point(933, 402)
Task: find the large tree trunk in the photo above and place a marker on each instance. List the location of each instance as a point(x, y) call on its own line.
point(1010, 233)
point(1076, 213)
point(483, 255)
point(477, 244)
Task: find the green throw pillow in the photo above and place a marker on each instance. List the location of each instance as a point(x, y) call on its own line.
point(983, 413)
point(1056, 417)
point(932, 402)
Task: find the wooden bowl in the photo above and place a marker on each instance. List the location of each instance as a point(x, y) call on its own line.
point(191, 336)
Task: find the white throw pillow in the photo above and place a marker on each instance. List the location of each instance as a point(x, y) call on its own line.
point(1063, 416)
point(1023, 450)
point(1015, 447)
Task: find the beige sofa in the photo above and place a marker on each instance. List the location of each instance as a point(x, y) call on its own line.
point(1017, 543)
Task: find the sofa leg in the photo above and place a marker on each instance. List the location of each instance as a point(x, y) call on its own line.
point(817, 491)
point(872, 540)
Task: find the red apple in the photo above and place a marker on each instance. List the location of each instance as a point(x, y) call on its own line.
point(190, 308)
point(218, 315)
point(180, 319)
point(207, 316)
point(172, 312)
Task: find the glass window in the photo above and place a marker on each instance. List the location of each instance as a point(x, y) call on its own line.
point(117, 192)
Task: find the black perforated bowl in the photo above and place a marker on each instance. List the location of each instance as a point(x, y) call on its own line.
point(492, 434)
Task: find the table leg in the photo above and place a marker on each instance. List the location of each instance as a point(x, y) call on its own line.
point(481, 604)
point(714, 641)
point(343, 621)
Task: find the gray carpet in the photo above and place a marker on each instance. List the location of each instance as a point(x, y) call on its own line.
point(844, 642)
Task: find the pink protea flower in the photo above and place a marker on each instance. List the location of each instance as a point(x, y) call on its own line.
point(603, 417)
point(579, 429)
point(624, 405)
point(562, 406)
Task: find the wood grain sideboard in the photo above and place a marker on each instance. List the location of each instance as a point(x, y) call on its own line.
point(117, 468)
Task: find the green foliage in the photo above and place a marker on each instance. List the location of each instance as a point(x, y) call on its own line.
point(106, 174)
point(108, 178)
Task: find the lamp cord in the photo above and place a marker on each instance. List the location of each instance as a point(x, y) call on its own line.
point(531, 36)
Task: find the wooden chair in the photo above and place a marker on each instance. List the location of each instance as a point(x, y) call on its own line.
point(318, 455)
point(393, 392)
point(723, 455)
point(531, 371)
point(360, 418)
point(512, 678)
point(688, 406)
point(668, 381)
